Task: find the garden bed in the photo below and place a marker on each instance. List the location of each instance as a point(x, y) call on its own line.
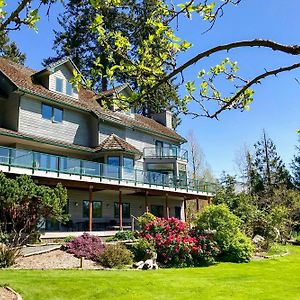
point(56, 259)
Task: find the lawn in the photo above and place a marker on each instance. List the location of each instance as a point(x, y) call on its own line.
point(265, 279)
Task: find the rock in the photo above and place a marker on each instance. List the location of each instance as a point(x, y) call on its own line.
point(138, 265)
point(148, 265)
point(258, 239)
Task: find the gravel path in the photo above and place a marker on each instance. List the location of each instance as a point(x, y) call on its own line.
point(56, 259)
point(33, 250)
point(6, 294)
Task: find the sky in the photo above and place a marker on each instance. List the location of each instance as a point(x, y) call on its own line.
point(276, 106)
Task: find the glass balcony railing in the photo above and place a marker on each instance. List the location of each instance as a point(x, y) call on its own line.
point(66, 165)
point(166, 152)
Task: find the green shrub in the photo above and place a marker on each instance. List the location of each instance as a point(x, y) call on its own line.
point(140, 248)
point(218, 218)
point(240, 249)
point(122, 236)
point(277, 249)
point(69, 239)
point(8, 256)
point(4, 238)
point(145, 218)
point(234, 245)
point(115, 256)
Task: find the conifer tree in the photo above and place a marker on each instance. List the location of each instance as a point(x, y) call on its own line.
point(270, 171)
point(296, 169)
point(10, 50)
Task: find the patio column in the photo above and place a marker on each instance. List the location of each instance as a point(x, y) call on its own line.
point(198, 205)
point(184, 208)
point(146, 202)
point(120, 211)
point(91, 208)
point(167, 207)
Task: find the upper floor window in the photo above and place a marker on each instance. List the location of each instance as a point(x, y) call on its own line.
point(64, 86)
point(59, 84)
point(69, 89)
point(52, 113)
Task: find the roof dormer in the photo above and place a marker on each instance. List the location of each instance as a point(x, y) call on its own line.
point(57, 76)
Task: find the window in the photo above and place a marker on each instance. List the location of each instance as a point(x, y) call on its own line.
point(128, 162)
point(47, 111)
point(52, 113)
point(59, 84)
point(157, 210)
point(125, 210)
point(178, 212)
point(113, 168)
point(69, 89)
point(97, 209)
point(57, 115)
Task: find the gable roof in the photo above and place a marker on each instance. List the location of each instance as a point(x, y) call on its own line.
point(115, 143)
point(21, 77)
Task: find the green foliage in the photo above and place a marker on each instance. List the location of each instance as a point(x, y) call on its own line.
point(240, 249)
point(8, 256)
point(146, 218)
point(69, 239)
point(115, 256)
point(235, 246)
point(296, 168)
point(141, 248)
point(122, 236)
point(218, 218)
point(23, 204)
point(10, 50)
point(277, 249)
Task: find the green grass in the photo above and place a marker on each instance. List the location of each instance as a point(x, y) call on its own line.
point(277, 278)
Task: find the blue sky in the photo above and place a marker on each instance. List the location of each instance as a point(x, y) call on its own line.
point(276, 106)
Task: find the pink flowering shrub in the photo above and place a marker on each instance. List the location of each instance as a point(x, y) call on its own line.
point(176, 245)
point(86, 245)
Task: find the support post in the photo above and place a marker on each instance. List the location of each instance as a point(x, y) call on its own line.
point(185, 209)
point(198, 205)
point(146, 202)
point(91, 208)
point(120, 211)
point(167, 207)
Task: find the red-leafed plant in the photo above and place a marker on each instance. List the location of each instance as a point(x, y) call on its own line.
point(176, 245)
point(86, 245)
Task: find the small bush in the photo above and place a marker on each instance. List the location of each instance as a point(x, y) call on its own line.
point(277, 249)
point(8, 256)
point(240, 249)
point(141, 248)
point(86, 245)
point(4, 238)
point(122, 236)
point(69, 239)
point(145, 218)
point(115, 256)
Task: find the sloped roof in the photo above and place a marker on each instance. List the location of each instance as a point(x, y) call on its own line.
point(115, 143)
point(21, 77)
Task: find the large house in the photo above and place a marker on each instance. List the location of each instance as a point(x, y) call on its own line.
point(114, 164)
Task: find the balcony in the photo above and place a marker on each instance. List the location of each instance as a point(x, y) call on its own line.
point(166, 152)
point(43, 164)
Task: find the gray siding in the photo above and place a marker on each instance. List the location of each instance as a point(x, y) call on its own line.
point(9, 112)
point(106, 129)
point(66, 75)
point(75, 128)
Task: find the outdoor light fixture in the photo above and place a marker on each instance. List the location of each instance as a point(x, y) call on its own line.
point(76, 204)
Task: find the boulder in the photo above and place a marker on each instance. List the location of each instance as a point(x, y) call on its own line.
point(148, 265)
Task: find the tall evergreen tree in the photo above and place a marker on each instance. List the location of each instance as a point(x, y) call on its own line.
point(76, 39)
point(270, 171)
point(296, 169)
point(10, 50)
